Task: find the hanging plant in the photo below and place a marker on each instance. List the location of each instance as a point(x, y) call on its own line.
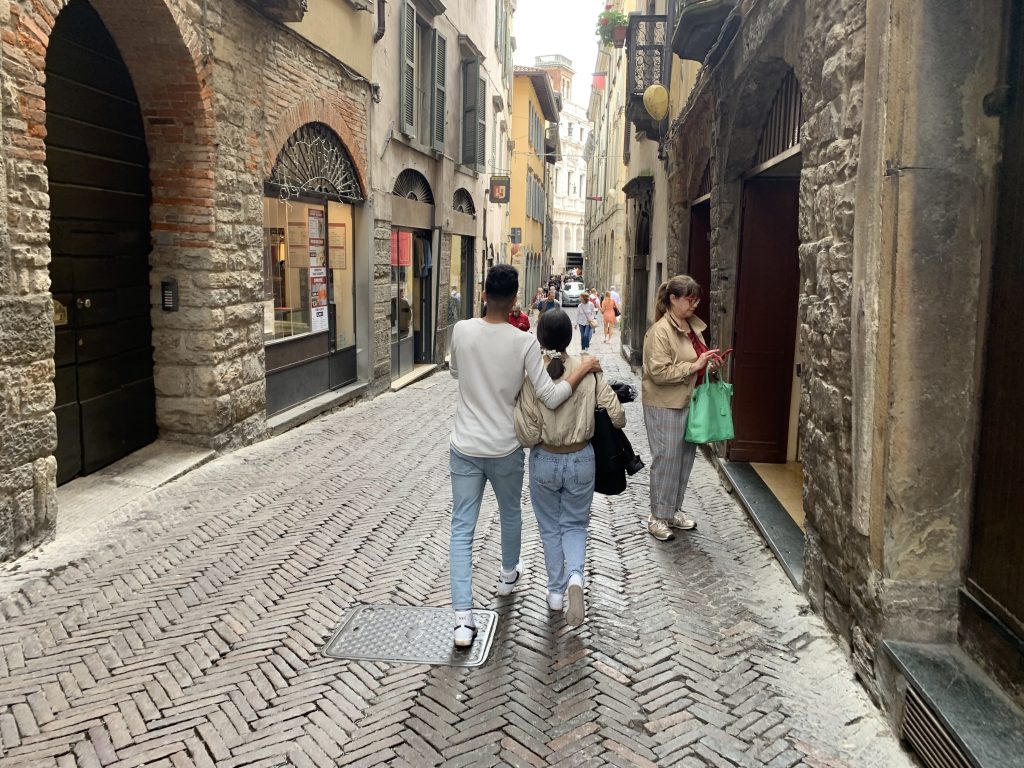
point(608, 22)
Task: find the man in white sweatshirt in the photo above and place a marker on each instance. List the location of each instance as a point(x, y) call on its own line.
point(491, 359)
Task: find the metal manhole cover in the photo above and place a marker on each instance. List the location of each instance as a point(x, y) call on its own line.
point(412, 634)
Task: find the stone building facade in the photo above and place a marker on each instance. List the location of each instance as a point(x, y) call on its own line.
point(213, 91)
point(871, 208)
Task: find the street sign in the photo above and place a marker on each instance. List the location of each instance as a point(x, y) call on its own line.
point(517, 235)
point(500, 188)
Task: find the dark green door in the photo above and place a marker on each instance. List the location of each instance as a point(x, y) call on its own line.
point(99, 240)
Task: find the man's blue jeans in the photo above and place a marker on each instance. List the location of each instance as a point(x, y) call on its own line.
point(469, 474)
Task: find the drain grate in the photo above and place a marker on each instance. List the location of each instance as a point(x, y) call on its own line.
point(409, 634)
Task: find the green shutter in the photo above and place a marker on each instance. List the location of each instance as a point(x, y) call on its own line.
point(470, 96)
point(408, 76)
point(481, 124)
point(438, 105)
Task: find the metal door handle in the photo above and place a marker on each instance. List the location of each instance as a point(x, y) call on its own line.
point(83, 303)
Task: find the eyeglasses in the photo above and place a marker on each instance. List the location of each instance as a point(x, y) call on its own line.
point(694, 301)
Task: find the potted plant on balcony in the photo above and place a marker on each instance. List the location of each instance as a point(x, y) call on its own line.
point(612, 26)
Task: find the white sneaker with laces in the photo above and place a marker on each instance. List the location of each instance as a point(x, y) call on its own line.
point(555, 601)
point(682, 522)
point(465, 629)
point(507, 580)
point(659, 529)
point(576, 611)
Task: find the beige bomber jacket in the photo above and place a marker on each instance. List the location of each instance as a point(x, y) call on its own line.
point(572, 423)
point(668, 355)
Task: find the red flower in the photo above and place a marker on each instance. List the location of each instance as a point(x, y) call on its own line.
point(604, 22)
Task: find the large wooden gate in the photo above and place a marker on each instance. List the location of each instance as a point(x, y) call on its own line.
point(996, 571)
point(98, 169)
point(766, 312)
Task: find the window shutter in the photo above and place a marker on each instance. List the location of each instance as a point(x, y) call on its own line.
point(438, 105)
point(481, 123)
point(470, 94)
point(408, 84)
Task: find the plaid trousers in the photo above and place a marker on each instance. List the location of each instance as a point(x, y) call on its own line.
point(671, 458)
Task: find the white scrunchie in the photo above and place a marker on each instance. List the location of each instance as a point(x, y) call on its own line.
point(554, 355)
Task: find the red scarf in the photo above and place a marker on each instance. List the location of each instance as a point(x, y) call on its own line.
point(700, 348)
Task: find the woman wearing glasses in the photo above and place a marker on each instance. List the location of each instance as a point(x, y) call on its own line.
point(675, 359)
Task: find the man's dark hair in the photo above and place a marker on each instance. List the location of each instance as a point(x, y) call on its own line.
point(502, 283)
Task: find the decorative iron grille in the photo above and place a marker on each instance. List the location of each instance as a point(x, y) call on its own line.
point(314, 160)
point(413, 185)
point(463, 202)
point(648, 63)
point(781, 130)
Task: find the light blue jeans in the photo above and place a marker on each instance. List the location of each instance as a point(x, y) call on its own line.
point(561, 491)
point(469, 474)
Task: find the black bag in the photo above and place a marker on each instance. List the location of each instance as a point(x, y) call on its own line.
point(625, 392)
point(617, 313)
point(609, 459)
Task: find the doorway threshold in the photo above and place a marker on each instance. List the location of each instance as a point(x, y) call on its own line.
point(87, 500)
point(417, 373)
point(778, 529)
point(310, 409)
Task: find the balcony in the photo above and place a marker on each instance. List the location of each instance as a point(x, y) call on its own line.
point(648, 63)
point(699, 26)
point(281, 10)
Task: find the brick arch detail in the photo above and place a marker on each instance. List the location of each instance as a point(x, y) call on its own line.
point(316, 109)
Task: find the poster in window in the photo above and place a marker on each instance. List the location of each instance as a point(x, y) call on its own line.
point(297, 242)
point(318, 299)
point(315, 228)
point(336, 245)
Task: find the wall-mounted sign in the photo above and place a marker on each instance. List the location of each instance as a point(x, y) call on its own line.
point(517, 235)
point(500, 187)
point(60, 314)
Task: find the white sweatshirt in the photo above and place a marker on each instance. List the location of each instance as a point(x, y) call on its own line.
point(491, 362)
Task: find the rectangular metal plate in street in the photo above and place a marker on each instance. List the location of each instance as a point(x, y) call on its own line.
point(409, 634)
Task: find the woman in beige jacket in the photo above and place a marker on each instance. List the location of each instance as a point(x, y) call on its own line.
point(562, 463)
point(675, 357)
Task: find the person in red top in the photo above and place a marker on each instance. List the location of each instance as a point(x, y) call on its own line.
point(519, 319)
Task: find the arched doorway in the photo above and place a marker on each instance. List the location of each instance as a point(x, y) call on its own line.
point(413, 285)
point(98, 166)
point(699, 252)
point(310, 205)
point(767, 358)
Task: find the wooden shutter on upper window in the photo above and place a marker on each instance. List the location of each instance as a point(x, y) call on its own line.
point(438, 106)
point(481, 123)
point(407, 108)
point(470, 95)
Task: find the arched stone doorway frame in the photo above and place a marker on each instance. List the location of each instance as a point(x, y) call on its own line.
point(164, 54)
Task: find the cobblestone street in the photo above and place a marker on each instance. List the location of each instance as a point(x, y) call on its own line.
point(194, 636)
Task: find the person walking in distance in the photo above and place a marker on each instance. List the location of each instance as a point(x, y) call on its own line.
point(551, 302)
point(562, 463)
point(675, 358)
point(518, 318)
point(585, 313)
point(491, 359)
point(608, 315)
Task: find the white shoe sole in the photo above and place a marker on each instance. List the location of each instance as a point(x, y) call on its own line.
point(575, 612)
point(507, 588)
point(460, 643)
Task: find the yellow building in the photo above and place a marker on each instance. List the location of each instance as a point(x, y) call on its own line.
point(535, 109)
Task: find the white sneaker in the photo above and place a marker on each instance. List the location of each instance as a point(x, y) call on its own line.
point(507, 580)
point(576, 610)
point(555, 600)
point(465, 629)
point(682, 521)
point(659, 529)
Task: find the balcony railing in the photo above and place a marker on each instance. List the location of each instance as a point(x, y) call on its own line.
point(648, 63)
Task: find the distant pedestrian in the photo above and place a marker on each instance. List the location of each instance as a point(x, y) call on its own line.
point(675, 357)
point(550, 302)
point(608, 315)
point(616, 298)
point(491, 360)
point(519, 319)
point(585, 319)
point(562, 463)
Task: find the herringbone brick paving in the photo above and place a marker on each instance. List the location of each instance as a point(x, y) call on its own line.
point(193, 636)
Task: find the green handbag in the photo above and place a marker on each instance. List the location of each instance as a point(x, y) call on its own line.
point(710, 417)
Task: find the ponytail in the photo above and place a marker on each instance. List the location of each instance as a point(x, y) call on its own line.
point(556, 367)
point(554, 333)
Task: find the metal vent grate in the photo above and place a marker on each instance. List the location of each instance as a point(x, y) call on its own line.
point(413, 185)
point(928, 737)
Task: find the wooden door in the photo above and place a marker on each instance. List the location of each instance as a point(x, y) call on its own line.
point(699, 266)
point(766, 313)
point(996, 572)
point(98, 169)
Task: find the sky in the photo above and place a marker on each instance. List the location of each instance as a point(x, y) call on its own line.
point(565, 27)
